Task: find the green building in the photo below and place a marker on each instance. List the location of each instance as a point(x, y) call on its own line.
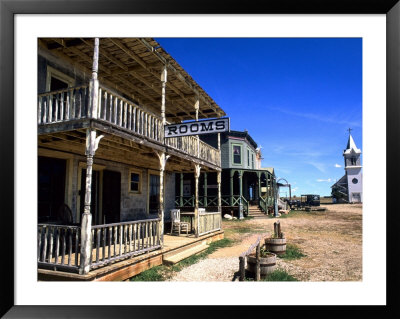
point(243, 182)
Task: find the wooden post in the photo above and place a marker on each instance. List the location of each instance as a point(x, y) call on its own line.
point(279, 229)
point(267, 184)
point(231, 174)
point(205, 189)
point(240, 194)
point(94, 82)
point(163, 161)
point(196, 198)
point(276, 195)
point(219, 176)
point(181, 190)
point(258, 263)
point(92, 143)
point(197, 107)
point(219, 191)
point(242, 269)
point(259, 184)
point(163, 85)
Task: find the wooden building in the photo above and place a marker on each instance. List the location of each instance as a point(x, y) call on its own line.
point(106, 174)
point(243, 182)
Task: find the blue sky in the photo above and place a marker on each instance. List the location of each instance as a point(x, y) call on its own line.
point(296, 96)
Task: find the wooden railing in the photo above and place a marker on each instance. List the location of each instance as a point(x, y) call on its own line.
point(189, 145)
point(63, 105)
point(188, 201)
point(117, 110)
point(262, 203)
point(73, 104)
point(209, 222)
point(245, 205)
point(113, 242)
point(59, 247)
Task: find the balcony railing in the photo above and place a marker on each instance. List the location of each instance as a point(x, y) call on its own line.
point(73, 104)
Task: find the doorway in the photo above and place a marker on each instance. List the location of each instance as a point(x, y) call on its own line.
point(154, 194)
point(111, 197)
point(51, 188)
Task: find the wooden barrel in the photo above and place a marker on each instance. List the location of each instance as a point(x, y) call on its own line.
point(276, 245)
point(267, 264)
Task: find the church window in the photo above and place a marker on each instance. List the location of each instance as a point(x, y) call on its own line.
point(354, 180)
point(353, 161)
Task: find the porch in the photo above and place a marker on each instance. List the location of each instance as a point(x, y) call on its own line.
point(132, 265)
point(240, 189)
point(59, 246)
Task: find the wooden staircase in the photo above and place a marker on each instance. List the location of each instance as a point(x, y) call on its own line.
point(177, 255)
point(256, 212)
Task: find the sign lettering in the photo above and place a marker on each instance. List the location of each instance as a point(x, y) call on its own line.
point(197, 127)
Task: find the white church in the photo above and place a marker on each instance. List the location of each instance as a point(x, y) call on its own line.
point(348, 189)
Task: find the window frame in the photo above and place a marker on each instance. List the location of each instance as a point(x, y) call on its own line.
point(52, 72)
point(233, 154)
point(135, 171)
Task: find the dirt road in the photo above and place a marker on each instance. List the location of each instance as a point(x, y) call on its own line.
point(331, 241)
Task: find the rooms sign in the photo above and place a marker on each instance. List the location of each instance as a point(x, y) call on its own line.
point(197, 127)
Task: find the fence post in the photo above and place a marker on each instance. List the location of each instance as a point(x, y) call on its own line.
point(258, 262)
point(241, 268)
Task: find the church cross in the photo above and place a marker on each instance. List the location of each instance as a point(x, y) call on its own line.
point(350, 131)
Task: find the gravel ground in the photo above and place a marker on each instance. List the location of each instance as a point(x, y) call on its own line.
point(331, 240)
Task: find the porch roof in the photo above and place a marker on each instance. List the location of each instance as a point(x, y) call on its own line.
point(133, 67)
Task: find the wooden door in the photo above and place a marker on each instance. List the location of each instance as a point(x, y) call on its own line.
point(111, 196)
point(154, 194)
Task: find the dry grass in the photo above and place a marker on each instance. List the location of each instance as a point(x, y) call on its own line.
point(331, 241)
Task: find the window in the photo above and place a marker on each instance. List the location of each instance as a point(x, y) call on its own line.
point(57, 80)
point(237, 156)
point(355, 180)
point(353, 161)
point(248, 157)
point(252, 160)
point(135, 182)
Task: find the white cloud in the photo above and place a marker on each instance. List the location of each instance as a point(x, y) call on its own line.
point(317, 117)
point(324, 180)
point(337, 165)
point(318, 166)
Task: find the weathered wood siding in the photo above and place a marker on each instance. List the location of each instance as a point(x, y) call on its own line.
point(227, 156)
point(133, 206)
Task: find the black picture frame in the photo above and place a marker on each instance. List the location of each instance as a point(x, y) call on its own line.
point(8, 10)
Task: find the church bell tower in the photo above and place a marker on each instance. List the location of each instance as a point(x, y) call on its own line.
point(352, 166)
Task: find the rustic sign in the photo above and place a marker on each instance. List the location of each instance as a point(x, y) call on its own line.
point(197, 127)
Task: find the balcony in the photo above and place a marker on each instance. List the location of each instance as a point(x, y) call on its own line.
point(71, 106)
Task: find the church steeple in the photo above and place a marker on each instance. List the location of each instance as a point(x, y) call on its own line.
point(351, 147)
point(351, 154)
